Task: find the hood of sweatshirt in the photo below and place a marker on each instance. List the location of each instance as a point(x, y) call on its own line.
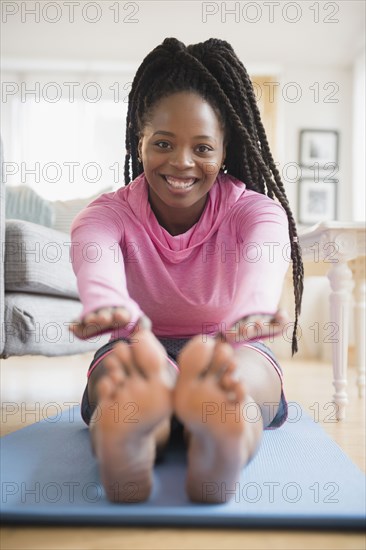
point(222, 196)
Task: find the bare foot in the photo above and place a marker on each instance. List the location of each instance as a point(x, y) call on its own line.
point(210, 400)
point(134, 402)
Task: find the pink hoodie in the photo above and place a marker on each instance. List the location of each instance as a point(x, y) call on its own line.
point(230, 264)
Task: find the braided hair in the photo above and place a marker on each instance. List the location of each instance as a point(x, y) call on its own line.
point(213, 70)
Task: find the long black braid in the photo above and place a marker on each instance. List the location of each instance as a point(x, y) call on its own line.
point(213, 70)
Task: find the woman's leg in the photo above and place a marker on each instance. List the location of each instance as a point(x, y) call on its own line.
point(262, 381)
point(223, 398)
point(130, 391)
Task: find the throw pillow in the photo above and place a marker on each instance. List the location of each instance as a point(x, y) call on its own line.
point(23, 203)
point(66, 211)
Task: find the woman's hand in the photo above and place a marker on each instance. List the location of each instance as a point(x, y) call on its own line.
point(103, 320)
point(256, 327)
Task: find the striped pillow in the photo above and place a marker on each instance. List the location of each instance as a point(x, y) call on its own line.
point(23, 203)
point(66, 211)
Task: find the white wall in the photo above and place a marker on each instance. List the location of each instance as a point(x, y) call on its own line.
point(325, 102)
point(358, 136)
point(296, 33)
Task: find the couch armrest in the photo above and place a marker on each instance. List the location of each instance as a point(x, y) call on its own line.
point(38, 325)
point(37, 260)
point(2, 242)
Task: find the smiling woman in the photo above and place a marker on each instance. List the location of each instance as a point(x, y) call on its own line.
point(188, 159)
point(211, 71)
point(190, 109)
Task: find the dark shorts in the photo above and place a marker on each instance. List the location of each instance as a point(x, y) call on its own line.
point(173, 347)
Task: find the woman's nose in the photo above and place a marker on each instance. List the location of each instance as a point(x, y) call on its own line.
point(181, 158)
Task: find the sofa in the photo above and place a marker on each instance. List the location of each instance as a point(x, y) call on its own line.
point(38, 289)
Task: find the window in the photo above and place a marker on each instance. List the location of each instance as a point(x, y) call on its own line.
point(64, 132)
point(64, 141)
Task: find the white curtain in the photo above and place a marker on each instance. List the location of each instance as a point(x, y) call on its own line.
point(64, 140)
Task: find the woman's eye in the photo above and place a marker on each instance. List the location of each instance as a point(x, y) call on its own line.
point(205, 147)
point(165, 145)
point(158, 143)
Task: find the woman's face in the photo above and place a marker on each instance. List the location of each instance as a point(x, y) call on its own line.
point(182, 150)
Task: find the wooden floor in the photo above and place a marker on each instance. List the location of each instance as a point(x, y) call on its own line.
point(41, 384)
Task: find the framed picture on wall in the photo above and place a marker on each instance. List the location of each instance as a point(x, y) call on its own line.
point(319, 148)
point(317, 201)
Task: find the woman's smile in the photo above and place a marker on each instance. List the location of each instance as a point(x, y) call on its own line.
point(180, 185)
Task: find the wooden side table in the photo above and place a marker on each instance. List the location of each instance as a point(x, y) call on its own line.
point(341, 248)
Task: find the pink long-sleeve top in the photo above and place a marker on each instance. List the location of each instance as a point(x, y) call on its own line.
point(230, 264)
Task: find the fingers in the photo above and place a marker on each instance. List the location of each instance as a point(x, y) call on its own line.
point(101, 316)
point(255, 327)
point(99, 321)
point(145, 323)
point(282, 317)
point(108, 315)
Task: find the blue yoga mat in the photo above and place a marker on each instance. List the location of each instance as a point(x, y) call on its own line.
point(298, 478)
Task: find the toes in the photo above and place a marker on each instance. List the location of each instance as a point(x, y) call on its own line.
point(196, 356)
point(227, 379)
point(115, 369)
point(223, 353)
point(105, 388)
point(122, 356)
point(147, 353)
point(235, 392)
point(231, 384)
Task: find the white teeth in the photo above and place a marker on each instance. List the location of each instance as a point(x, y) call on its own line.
point(180, 184)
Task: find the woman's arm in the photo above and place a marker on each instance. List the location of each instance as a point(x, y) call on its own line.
point(97, 234)
point(264, 238)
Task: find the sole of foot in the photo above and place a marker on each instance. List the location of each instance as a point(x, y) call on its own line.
point(208, 399)
point(134, 400)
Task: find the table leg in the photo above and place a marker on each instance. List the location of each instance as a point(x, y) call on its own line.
point(360, 329)
point(341, 281)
